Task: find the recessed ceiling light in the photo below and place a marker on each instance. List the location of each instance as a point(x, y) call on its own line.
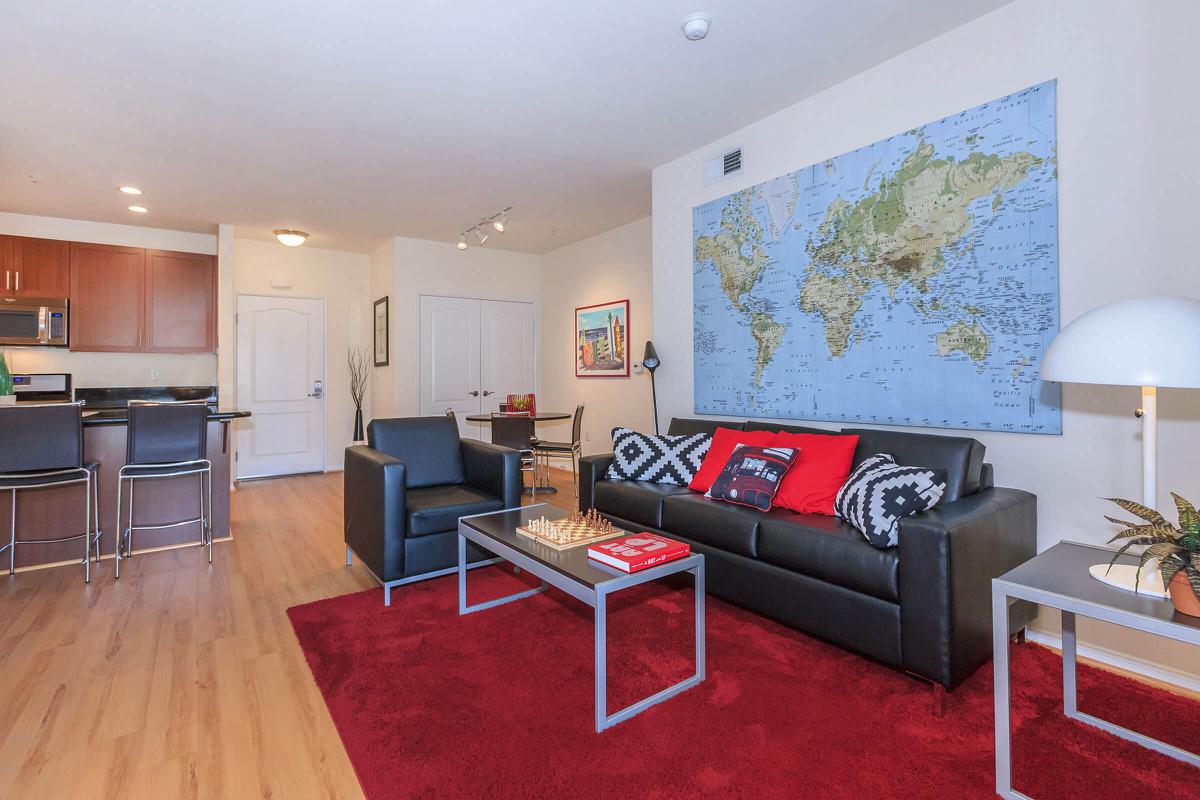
point(695, 26)
point(130, 189)
point(138, 209)
point(291, 238)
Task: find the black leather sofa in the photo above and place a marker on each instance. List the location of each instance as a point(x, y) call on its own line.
point(407, 487)
point(923, 606)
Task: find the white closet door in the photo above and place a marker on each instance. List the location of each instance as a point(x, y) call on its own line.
point(508, 351)
point(450, 332)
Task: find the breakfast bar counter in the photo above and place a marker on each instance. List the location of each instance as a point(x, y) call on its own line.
point(58, 511)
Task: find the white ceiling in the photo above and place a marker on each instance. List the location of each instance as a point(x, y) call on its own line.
point(361, 120)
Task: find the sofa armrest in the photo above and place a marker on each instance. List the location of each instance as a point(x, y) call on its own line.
point(948, 557)
point(375, 510)
point(591, 469)
point(493, 469)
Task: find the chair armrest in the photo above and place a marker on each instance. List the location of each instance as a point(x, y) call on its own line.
point(948, 557)
point(375, 510)
point(591, 469)
point(493, 469)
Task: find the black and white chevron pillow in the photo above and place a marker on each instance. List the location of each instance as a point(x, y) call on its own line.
point(880, 492)
point(659, 459)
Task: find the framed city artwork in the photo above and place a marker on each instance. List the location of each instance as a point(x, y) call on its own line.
point(602, 340)
point(381, 332)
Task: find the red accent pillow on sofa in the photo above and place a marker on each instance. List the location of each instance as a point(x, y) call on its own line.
point(723, 442)
point(812, 483)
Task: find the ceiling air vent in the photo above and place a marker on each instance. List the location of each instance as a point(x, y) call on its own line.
point(722, 166)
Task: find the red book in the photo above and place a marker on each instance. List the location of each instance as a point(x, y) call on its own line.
point(637, 552)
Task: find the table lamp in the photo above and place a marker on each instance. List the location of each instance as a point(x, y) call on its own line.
point(650, 361)
point(1144, 341)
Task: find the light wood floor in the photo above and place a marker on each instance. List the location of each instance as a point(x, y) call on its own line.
point(182, 680)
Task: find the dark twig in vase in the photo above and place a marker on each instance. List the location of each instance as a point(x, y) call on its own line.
point(358, 360)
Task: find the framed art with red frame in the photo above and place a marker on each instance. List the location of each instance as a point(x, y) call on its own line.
point(602, 340)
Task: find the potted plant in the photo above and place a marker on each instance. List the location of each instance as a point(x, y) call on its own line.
point(357, 361)
point(1176, 548)
point(7, 397)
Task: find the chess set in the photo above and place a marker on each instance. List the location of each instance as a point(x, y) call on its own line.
point(577, 528)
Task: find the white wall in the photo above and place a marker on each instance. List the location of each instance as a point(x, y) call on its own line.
point(1127, 170)
point(342, 280)
point(383, 379)
point(610, 266)
point(112, 369)
point(436, 268)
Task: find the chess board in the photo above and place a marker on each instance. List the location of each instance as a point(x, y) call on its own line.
point(571, 531)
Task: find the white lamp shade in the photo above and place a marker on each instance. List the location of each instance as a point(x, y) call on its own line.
point(1143, 341)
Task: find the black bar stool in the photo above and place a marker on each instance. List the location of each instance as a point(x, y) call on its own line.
point(164, 440)
point(42, 446)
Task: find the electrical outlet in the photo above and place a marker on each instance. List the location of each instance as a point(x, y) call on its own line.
point(155, 375)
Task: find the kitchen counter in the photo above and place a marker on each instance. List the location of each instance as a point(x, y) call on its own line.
point(120, 416)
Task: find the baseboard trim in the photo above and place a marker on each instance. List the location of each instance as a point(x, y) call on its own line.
point(1112, 658)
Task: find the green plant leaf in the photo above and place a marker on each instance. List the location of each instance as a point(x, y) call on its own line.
point(1116, 521)
point(1161, 550)
point(1154, 532)
point(1168, 569)
point(1189, 520)
point(1139, 510)
point(1193, 576)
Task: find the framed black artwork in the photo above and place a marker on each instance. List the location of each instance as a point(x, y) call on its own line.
point(381, 332)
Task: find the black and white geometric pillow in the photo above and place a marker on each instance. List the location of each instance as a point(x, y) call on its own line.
point(659, 459)
point(880, 493)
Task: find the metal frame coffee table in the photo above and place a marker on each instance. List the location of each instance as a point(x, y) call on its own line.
point(580, 577)
point(1058, 578)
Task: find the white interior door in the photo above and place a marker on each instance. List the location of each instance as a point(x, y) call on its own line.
point(280, 380)
point(450, 359)
point(507, 351)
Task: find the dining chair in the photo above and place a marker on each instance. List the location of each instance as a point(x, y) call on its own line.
point(572, 449)
point(516, 431)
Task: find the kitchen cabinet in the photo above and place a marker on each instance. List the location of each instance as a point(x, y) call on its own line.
point(108, 298)
point(35, 267)
point(181, 309)
point(130, 300)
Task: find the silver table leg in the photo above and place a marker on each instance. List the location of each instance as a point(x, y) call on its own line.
point(1000, 685)
point(463, 607)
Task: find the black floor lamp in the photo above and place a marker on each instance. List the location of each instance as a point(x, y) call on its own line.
point(650, 362)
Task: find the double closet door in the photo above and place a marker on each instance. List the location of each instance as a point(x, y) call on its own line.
point(474, 353)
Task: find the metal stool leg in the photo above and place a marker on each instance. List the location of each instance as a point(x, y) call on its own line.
point(87, 530)
point(208, 513)
point(96, 511)
point(12, 536)
point(118, 530)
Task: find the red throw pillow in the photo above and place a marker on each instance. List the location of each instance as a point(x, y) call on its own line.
point(723, 442)
point(812, 483)
point(753, 475)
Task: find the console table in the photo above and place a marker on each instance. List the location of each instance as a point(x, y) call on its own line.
point(1058, 578)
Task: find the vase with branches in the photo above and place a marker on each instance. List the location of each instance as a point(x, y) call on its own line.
point(359, 362)
point(1176, 548)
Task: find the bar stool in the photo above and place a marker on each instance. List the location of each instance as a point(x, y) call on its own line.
point(164, 440)
point(43, 447)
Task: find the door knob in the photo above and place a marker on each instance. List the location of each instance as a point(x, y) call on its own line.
point(474, 394)
point(487, 392)
point(318, 390)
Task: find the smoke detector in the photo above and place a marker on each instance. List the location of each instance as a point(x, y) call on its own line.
point(695, 26)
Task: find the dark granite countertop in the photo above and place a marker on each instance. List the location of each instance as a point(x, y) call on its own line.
point(120, 416)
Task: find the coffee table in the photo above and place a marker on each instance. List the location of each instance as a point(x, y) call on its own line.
point(586, 580)
point(1058, 578)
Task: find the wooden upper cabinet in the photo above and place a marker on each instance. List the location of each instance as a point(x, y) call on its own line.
point(42, 267)
point(108, 298)
point(181, 314)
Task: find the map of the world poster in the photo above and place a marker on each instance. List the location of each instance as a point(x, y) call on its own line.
point(913, 281)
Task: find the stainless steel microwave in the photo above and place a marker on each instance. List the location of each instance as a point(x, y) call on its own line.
point(33, 321)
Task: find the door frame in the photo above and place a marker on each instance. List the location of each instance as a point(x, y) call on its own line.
point(237, 379)
point(537, 341)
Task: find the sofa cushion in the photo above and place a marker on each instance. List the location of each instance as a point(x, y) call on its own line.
point(659, 459)
point(753, 475)
point(961, 457)
point(681, 426)
point(713, 522)
point(828, 549)
point(724, 441)
point(880, 493)
point(812, 484)
point(428, 446)
point(775, 427)
point(636, 501)
point(434, 509)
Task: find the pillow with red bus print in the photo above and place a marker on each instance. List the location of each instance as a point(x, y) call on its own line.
point(752, 475)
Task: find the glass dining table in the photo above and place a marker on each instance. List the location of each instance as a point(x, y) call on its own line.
point(541, 485)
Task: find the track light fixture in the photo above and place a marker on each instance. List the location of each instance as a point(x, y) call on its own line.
point(498, 222)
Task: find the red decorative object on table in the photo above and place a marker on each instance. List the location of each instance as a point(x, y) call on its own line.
point(521, 404)
point(639, 551)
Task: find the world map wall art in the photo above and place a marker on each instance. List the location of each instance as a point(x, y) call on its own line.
point(913, 281)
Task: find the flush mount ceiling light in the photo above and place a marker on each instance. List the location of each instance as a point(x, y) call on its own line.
point(695, 26)
point(498, 222)
point(290, 238)
point(130, 189)
point(138, 209)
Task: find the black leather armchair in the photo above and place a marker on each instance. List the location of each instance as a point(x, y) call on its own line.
point(406, 489)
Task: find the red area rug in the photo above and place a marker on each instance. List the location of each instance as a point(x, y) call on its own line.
point(499, 704)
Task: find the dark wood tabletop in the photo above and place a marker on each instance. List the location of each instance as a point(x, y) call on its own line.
point(541, 416)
